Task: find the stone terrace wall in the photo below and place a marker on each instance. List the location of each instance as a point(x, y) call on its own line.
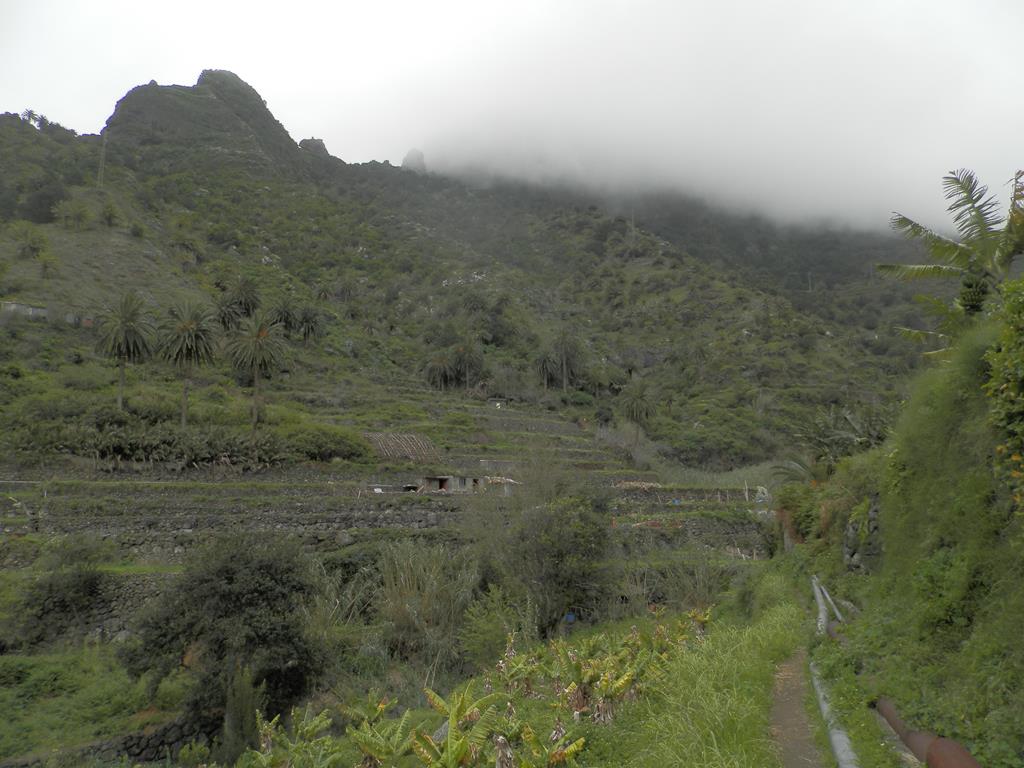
point(740, 536)
point(627, 498)
point(149, 745)
point(165, 534)
point(121, 598)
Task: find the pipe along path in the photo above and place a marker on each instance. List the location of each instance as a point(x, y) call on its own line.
point(933, 750)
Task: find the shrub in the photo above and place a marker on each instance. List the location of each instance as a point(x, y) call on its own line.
point(153, 405)
point(490, 620)
point(237, 604)
point(323, 442)
point(86, 377)
point(580, 398)
point(62, 596)
point(555, 552)
point(798, 503)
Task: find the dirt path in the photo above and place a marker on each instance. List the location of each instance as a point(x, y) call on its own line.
point(791, 727)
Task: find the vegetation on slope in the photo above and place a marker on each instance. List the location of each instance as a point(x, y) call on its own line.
point(430, 281)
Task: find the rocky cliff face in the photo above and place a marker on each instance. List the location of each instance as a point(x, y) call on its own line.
point(221, 119)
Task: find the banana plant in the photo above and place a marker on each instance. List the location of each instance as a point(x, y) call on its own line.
point(610, 686)
point(577, 670)
point(517, 672)
point(369, 710)
point(309, 749)
point(471, 723)
point(700, 620)
point(563, 751)
point(509, 726)
point(383, 744)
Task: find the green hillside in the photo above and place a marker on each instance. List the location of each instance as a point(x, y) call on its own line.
point(420, 283)
point(244, 384)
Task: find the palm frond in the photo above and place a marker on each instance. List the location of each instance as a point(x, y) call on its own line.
point(1014, 245)
point(974, 214)
point(942, 355)
point(920, 335)
point(942, 249)
point(919, 271)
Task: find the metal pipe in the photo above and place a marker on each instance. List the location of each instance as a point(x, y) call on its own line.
point(841, 747)
point(822, 610)
point(828, 597)
point(934, 751)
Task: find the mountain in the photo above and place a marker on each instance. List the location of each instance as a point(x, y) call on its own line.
point(736, 336)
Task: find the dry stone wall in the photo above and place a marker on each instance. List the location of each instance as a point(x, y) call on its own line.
point(149, 745)
point(166, 534)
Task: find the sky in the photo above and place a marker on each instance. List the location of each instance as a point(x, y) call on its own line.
point(804, 110)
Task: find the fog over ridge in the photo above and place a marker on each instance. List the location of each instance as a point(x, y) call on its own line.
point(799, 109)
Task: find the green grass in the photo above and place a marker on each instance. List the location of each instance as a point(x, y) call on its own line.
point(69, 698)
point(753, 475)
point(713, 709)
point(849, 704)
point(139, 569)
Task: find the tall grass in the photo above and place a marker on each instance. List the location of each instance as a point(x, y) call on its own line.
point(714, 707)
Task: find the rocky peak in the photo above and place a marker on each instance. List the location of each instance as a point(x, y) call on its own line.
point(221, 117)
point(316, 146)
point(414, 162)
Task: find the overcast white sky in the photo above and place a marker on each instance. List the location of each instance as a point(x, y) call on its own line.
point(844, 109)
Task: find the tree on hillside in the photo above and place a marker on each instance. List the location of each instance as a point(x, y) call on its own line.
point(227, 312)
point(440, 369)
point(468, 359)
point(238, 605)
point(556, 554)
point(245, 295)
point(309, 323)
point(567, 353)
point(988, 245)
point(636, 405)
point(71, 213)
point(547, 367)
point(31, 240)
point(186, 341)
point(109, 215)
point(257, 349)
point(126, 334)
point(283, 313)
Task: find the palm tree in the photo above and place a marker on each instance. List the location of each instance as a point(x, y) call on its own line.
point(983, 256)
point(186, 341)
point(309, 323)
point(245, 295)
point(283, 313)
point(468, 359)
point(547, 367)
point(566, 350)
point(228, 313)
point(440, 369)
point(126, 334)
point(257, 349)
point(636, 403)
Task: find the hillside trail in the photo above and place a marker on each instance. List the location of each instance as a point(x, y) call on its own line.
point(790, 725)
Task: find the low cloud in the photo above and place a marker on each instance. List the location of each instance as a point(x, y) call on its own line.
point(800, 109)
